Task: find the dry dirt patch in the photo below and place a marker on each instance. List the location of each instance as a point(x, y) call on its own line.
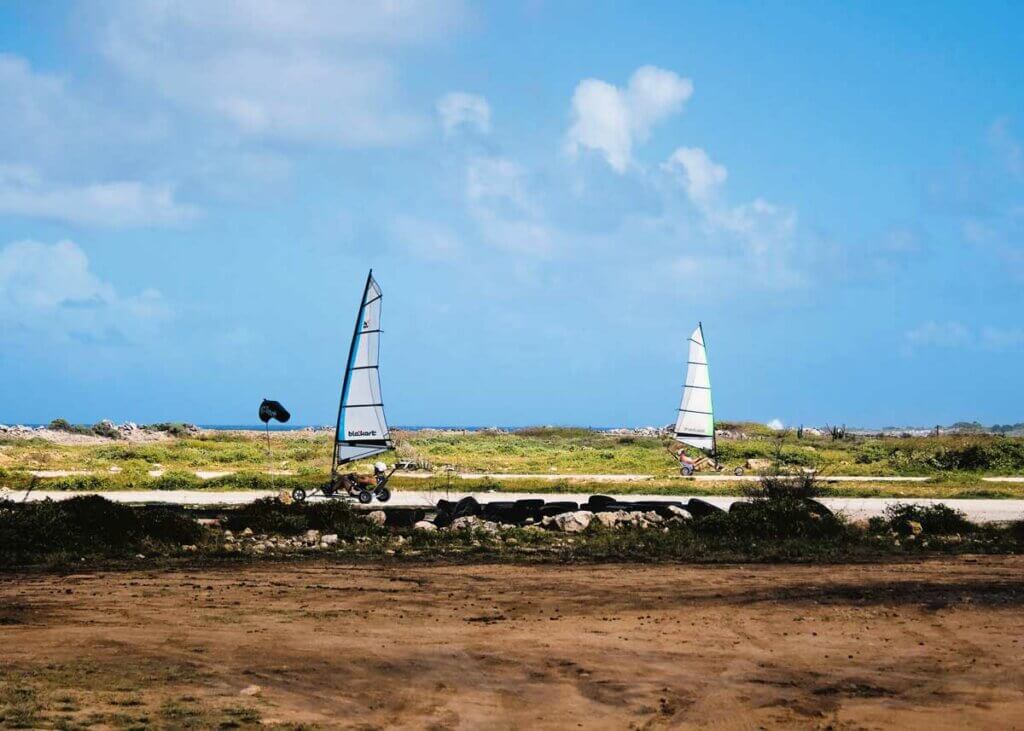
point(934, 644)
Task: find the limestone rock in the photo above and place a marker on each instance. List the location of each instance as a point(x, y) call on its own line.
point(574, 522)
point(468, 522)
point(425, 525)
point(377, 517)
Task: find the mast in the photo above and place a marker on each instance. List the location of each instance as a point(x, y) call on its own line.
point(714, 438)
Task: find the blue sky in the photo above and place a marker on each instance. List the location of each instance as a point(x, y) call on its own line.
point(551, 196)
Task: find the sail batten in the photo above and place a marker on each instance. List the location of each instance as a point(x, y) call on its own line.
point(695, 423)
point(362, 431)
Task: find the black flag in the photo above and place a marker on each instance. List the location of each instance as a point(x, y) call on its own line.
point(273, 410)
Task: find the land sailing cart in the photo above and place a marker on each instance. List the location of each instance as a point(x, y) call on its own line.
point(362, 431)
point(695, 423)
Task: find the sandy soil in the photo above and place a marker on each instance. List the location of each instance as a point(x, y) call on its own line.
point(930, 645)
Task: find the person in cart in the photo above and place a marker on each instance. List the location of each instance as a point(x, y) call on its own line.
point(687, 465)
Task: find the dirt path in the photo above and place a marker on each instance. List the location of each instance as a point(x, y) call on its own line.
point(929, 645)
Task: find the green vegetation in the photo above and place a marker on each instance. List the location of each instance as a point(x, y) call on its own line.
point(781, 523)
point(89, 525)
point(953, 464)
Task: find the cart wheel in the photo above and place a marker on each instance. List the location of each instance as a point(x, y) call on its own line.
point(686, 470)
point(365, 497)
point(299, 495)
point(738, 471)
point(382, 494)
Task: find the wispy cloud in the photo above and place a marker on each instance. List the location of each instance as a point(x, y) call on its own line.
point(460, 111)
point(1003, 141)
point(49, 291)
point(116, 204)
point(954, 334)
point(312, 71)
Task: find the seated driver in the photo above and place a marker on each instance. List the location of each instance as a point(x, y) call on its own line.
point(368, 481)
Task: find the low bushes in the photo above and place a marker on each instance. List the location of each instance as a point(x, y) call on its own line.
point(270, 516)
point(904, 519)
point(89, 525)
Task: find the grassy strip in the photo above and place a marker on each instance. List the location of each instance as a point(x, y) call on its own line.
point(969, 487)
point(535, 450)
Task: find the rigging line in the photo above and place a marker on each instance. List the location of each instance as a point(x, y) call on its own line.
point(692, 411)
point(364, 332)
point(363, 368)
point(378, 297)
point(706, 388)
point(361, 406)
point(693, 362)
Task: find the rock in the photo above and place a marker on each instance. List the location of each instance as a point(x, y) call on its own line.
point(329, 539)
point(250, 690)
point(758, 464)
point(468, 522)
point(611, 520)
point(247, 532)
point(377, 517)
point(652, 517)
point(114, 469)
point(680, 513)
point(313, 536)
point(574, 522)
point(425, 525)
point(189, 548)
point(140, 555)
point(915, 527)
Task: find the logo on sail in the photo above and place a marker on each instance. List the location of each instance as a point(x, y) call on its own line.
point(362, 433)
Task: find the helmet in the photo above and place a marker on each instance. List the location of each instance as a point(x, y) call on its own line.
point(379, 467)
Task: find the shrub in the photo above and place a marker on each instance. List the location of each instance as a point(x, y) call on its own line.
point(66, 426)
point(106, 429)
point(271, 516)
point(87, 524)
point(555, 432)
point(934, 519)
point(174, 428)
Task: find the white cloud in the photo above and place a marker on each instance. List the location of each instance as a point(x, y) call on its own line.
point(118, 204)
point(702, 176)
point(50, 289)
point(460, 111)
point(322, 71)
point(611, 120)
point(776, 425)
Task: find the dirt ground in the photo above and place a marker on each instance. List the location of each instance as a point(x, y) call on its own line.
point(934, 644)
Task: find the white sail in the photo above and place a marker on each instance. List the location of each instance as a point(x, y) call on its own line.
point(362, 429)
point(695, 424)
